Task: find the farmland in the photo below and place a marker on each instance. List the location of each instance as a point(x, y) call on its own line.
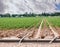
point(54, 21)
point(41, 29)
point(16, 23)
point(25, 22)
point(17, 26)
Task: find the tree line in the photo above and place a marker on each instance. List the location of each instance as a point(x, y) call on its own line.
point(30, 14)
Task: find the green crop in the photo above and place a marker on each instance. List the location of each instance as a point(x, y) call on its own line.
point(15, 23)
point(55, 21)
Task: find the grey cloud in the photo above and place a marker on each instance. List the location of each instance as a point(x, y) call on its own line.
point(1, 6)
point(22, 6)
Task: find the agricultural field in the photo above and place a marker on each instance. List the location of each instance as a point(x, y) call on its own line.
point(17, 26)
point(16, 23)
point(25, 22)
point(55, 21)
point(38, 26)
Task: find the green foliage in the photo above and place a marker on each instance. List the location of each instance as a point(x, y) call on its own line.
point(30, 14)
point(13, 23)
point(55, 21)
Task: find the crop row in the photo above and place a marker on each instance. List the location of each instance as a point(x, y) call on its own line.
point(13, 23)
point(54, 21)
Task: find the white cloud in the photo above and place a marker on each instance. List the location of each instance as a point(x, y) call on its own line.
point(36, 6)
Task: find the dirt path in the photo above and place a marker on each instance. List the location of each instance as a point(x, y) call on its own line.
point(39, 31)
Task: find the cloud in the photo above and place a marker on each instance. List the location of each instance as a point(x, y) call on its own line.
point(22, 6)
point(1, 6)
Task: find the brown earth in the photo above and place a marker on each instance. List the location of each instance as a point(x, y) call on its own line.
point(12, 32)
point(19, 33)
point(57, 30)
point(46, 32)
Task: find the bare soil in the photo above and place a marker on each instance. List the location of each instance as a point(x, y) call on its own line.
point(46, 32)
point(19, 33)
point(8, 33)
point(57, 29)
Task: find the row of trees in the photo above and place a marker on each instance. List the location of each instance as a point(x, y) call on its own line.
point(29, 15)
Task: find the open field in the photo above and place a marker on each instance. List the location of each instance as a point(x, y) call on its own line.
point(18, 28)
point(25, 22)
point(55, 21)
point(16, 23)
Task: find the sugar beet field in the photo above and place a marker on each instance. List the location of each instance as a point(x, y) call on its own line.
point(30, 32)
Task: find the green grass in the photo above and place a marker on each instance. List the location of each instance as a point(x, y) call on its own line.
point(55, 21)
point(15, 23)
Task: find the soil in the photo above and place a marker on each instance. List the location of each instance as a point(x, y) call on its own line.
point(57, 29)
point(8, 33)
point(46, 33)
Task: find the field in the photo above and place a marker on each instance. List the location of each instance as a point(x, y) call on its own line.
point(17, 26)
point(16, 23)
point(30, 28)
point(55, 21)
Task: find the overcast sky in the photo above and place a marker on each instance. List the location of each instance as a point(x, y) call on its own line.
point(16, 9)
point(1, 6)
